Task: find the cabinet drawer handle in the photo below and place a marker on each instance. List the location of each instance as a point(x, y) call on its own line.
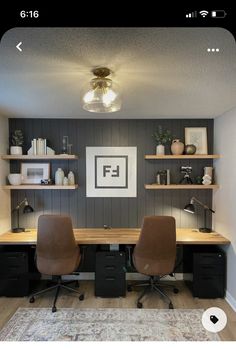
point(110, 267)
point(110, 279)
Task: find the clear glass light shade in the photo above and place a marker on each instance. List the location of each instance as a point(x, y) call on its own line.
point(102, 96)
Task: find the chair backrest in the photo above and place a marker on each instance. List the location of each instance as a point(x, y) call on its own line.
point(56, 251)
point(155, 251)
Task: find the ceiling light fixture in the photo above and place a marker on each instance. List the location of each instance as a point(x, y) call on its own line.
point(103, 95)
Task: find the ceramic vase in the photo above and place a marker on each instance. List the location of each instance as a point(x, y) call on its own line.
point(71, 178)
point(15, 150)
point(59, 176)
point(177, 147)
point(160, 149)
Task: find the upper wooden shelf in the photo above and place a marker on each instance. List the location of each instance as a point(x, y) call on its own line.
point(180, 186)
point(40, 157)
point(39, 187)
point(197, 156)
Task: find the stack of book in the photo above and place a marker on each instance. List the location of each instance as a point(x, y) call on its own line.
point(39, 146)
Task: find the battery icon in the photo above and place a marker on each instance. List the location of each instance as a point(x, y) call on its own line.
point(218, 14)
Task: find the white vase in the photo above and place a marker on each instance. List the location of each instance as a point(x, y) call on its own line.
point(71, 178)
point(15, 150)
point(59, 176)
point(15, 178)
point(65, 181)
point(160, 149)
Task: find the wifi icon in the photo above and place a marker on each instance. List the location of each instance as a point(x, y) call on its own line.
point(203, 13)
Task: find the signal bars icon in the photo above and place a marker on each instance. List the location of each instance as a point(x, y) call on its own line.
point(191, 14)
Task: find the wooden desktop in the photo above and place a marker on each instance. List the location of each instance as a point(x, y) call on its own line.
point(122, 236)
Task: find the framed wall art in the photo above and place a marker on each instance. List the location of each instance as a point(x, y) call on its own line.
point(33, 173)
point(198, 137)
point(111, 171)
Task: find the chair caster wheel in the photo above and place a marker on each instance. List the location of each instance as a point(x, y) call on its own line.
point(54, 309)
point(171, 306)
point(129, 288)
point(81, 297)
point(32, 300)
point(139, 305)
point(176, 290)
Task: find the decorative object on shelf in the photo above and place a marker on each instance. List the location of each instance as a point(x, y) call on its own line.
point(198, 137)
point(46, 182)
point(49, 151)
point(16, 141)
point(71, 178)
point(161, 136)
point(65, 181)
point(177, 147)
point(59, 176)
point(33, 173)
point(64, 145)
point(111, 171)
point(191, 209)
point(186, 178)
point(102, 96)
point(27, 209)
point(15, 178)
point(163, 177)
point(206, 180)
point(190, 149)
point(198, 180)
point(69, 148)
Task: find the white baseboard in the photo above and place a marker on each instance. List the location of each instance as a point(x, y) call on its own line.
point(230, 300)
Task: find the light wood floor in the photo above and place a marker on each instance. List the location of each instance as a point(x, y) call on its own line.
point(182, 300)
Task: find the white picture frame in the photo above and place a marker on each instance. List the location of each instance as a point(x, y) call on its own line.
point(33, 173)
point(198, 137)
point(111, 171)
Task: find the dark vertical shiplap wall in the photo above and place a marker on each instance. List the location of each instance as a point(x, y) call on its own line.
point(117, 212)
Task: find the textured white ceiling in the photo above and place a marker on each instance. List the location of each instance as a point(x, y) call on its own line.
point(162, 72)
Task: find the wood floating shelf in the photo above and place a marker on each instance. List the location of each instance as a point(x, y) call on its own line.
point(40, 157)
point(197, 156)
point(40, 187)
point(180, 186)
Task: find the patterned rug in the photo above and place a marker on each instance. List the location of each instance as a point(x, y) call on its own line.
point(40, 324)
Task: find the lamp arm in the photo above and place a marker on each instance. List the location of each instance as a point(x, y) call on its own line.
point(201, 204)
point(20, 204)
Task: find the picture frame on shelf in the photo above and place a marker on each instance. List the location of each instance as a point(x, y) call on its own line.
point(198, 137)
point(33, 173)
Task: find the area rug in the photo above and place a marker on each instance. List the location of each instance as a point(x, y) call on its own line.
point(40, 324)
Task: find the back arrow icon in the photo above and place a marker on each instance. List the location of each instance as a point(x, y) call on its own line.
point(18, 46)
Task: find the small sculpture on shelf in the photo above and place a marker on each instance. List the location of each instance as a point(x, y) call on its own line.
point(186, 170)
point(16, 141)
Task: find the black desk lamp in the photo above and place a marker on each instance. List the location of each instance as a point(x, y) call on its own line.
point(27, 209)
point(191, 209)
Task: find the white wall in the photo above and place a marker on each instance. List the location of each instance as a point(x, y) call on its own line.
point(5, 211)
point(225, 197)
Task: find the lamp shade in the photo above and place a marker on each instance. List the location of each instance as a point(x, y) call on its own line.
point(189, 208)
point(101, 95)
point(28, 209)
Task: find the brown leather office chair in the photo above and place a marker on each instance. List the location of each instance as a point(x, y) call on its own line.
point(154, 254)
point(57, 253)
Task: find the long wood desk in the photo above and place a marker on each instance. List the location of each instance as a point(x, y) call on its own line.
point(92, 236)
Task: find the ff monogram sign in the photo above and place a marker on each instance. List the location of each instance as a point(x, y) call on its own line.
point(111, 171)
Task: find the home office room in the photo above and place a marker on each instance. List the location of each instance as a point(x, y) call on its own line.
point(117, 184)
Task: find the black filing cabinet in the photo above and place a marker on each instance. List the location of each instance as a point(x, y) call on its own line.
point(209, 269)
point(110, 274)
point(14, 274)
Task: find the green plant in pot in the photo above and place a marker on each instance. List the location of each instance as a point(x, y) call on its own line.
point(16, 141)
point(162, 137)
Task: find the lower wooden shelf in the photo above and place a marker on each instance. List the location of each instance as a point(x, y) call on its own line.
point(39, 187)
point(180, 186)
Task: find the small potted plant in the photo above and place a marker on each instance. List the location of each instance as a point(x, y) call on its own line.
point(161, 136)
point(16, 141)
